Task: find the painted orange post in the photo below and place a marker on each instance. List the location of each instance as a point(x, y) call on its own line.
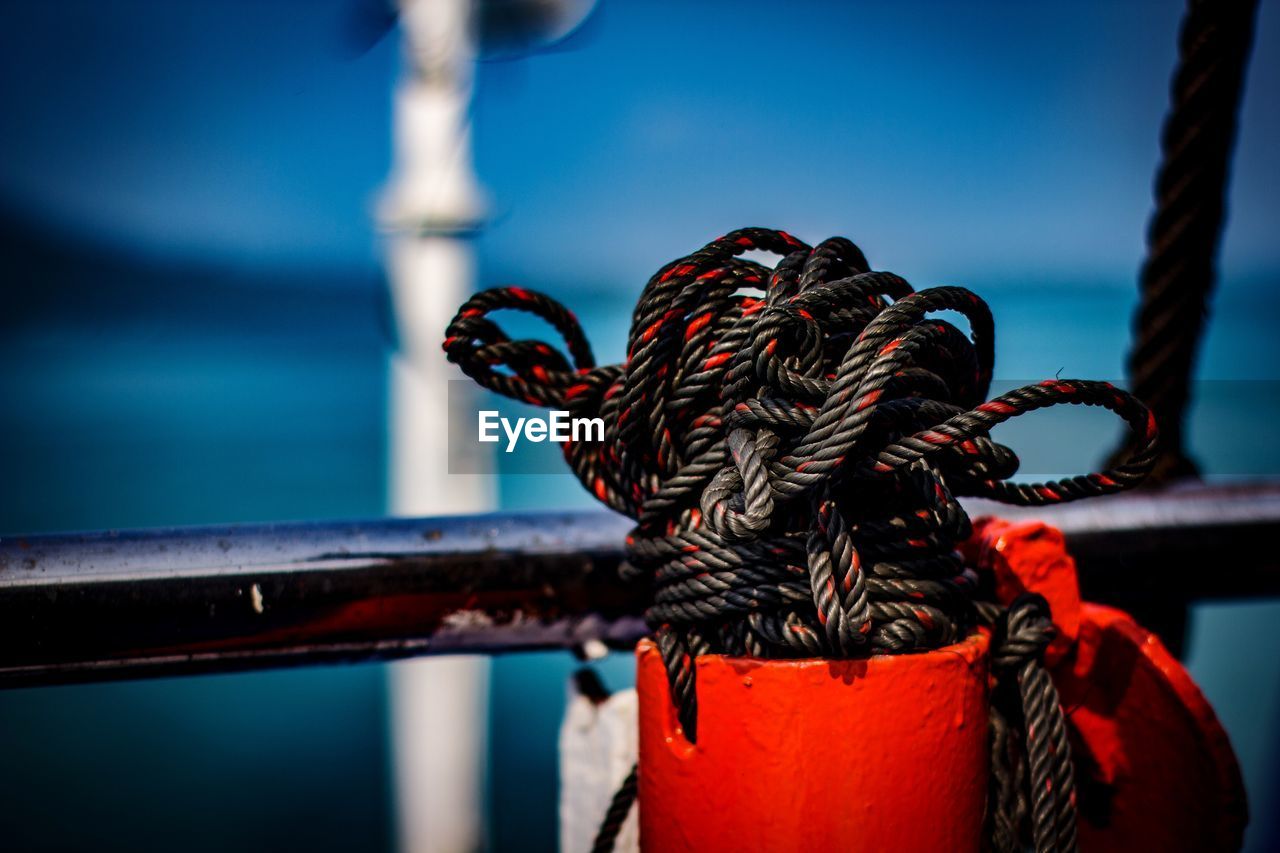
point(890, 753)
point(887, 753)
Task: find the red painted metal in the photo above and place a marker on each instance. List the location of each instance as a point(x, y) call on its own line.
point(891, 752)
point(1030, 556)
point(1154, 767)
point(888, 753)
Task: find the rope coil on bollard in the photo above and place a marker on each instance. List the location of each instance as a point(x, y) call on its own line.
point(791, 442)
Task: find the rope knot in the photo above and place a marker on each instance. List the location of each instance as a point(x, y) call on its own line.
point(1026, 629)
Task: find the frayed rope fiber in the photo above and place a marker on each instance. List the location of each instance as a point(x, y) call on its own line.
point(791, 443)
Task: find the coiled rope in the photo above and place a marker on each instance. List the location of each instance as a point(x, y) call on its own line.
point(791, 442)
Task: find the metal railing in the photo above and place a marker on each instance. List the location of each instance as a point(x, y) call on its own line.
point(96, 606)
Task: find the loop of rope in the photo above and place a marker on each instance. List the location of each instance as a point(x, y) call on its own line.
point(791, 442)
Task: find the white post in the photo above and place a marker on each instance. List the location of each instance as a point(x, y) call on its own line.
point(439, 707)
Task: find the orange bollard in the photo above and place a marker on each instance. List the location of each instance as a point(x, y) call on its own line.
point(886, 753)
point(890, 753)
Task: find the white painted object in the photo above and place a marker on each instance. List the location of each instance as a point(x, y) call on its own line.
point(598, 748)
point(439, 707)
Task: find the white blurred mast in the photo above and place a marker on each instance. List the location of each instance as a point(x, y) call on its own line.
point(439, 707)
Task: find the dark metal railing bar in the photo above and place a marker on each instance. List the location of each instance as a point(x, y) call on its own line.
point(98, 606)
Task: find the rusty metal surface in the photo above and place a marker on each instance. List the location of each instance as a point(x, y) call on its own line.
point(109, 605)
point(124, 604)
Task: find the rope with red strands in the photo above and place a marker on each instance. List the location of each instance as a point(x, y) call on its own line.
point(791, 442)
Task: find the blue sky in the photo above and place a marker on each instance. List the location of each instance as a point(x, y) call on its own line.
point(950, 140)
point(235, 131)
point(945, 138)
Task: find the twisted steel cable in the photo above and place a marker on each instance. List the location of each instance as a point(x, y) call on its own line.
point(1179, 272)
point(791, 442)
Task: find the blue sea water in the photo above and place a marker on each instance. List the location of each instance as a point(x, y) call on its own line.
point(138, 395)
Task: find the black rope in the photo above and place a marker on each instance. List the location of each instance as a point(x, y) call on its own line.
point(619, 807)
point(1179, 272)
point(1024, 632)
point(791, 443)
